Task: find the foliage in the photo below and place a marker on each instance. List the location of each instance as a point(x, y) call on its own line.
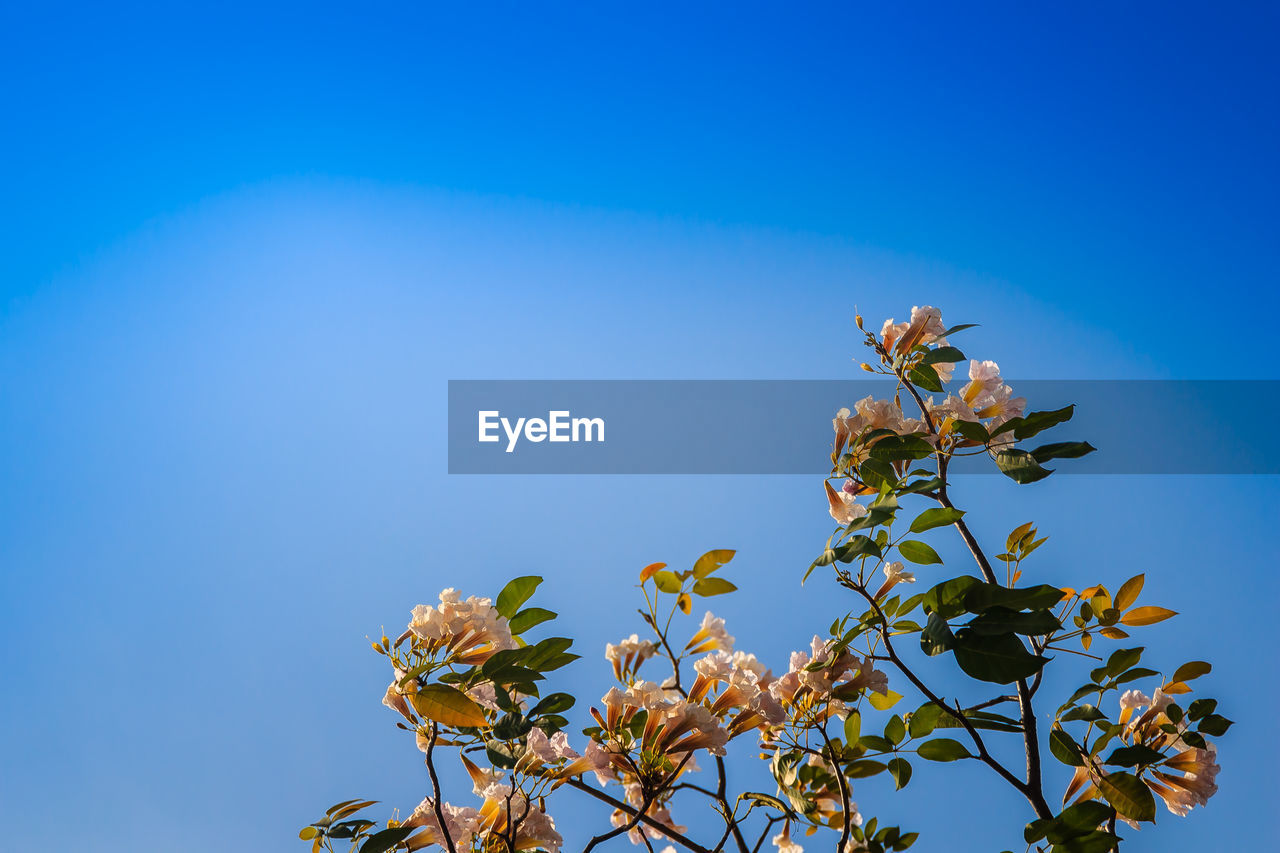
point(469, 680)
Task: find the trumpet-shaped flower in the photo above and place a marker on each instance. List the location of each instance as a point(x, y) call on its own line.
point(710, 636)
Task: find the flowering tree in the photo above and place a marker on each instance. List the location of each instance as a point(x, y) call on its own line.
point(470, 682)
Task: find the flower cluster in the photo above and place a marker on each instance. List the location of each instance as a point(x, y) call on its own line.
point(468, 679)
point(469, 630)
point(1186, 776)
point(819, 683)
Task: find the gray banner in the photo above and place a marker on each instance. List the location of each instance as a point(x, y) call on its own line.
point(784, 426)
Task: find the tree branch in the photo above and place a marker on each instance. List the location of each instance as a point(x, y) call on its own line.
point(644, 818)
point(435, 789)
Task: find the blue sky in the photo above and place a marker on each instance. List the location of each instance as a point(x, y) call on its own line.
point(245, 248)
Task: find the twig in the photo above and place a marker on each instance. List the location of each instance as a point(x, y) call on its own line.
point(644, 818)
point(435, 790)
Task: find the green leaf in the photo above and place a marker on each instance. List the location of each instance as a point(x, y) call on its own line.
point(960, 328)
point(1064, 748)
point(515, 594)
point(944, 355)
point(1133, 756)
point(527, 618)
point(863, 768)
point(877, 473)
point(1088, 713)
point(550, 654)
point(1020, 466)
point(380, 842)
point(1128, 795)
point(447, 706)
point(1215, 725)
point(875, 742)
point(1035, 423)
point(1062, 450)
point(926, 377)
point(900, 770)
point(857, 546)
point(947, 598)
point(1085, 817)
point(981, 720)
point(555, 703)
point(972, 430)
point(918, 552)
point(984, 595)
point(942, 749)
point(924, 720)
point(895, 730)
point(896, 448)
point(1201, 708)
point(928, 485)
point(936, 517)
point(1122, 659)
point(712, 586)
point(712, 560)
point(936, 638)
point(1001, 659)
point(1002, 620)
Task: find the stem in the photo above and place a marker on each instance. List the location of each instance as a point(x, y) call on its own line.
point(960, 718)
point(843, 784)
point(724, 802)
point(1034, 787)
point(643, 818)
point(626, 827)
point(435, 790)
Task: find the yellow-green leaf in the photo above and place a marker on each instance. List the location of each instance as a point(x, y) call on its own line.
point(711, 561)
point(448, 706)
point(1191, 669)
point(684, 602)
point(1146, 616)
point(1128, 592)
point(666, 581)
point(883, 701)
point(308, 833)
point(712, 586)
point(1011, 543)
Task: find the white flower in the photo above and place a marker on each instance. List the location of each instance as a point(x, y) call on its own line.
point(711, 635)
point(879, 414)
point(549, 750)
point(844, 506)
point(628, 654)
point(930, 318)
point(896, 573)
point(461, 822)
point(784, 843)
point(472, 629)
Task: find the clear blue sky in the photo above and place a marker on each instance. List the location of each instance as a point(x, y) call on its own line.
point(245, 248)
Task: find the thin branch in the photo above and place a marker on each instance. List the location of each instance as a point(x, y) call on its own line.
point(1034, 788)
point(435, 790)
point(964, 721)
point(843, 785)
point(721, 795)
point(626, 827)
point(764, 833)
point(644, 818)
